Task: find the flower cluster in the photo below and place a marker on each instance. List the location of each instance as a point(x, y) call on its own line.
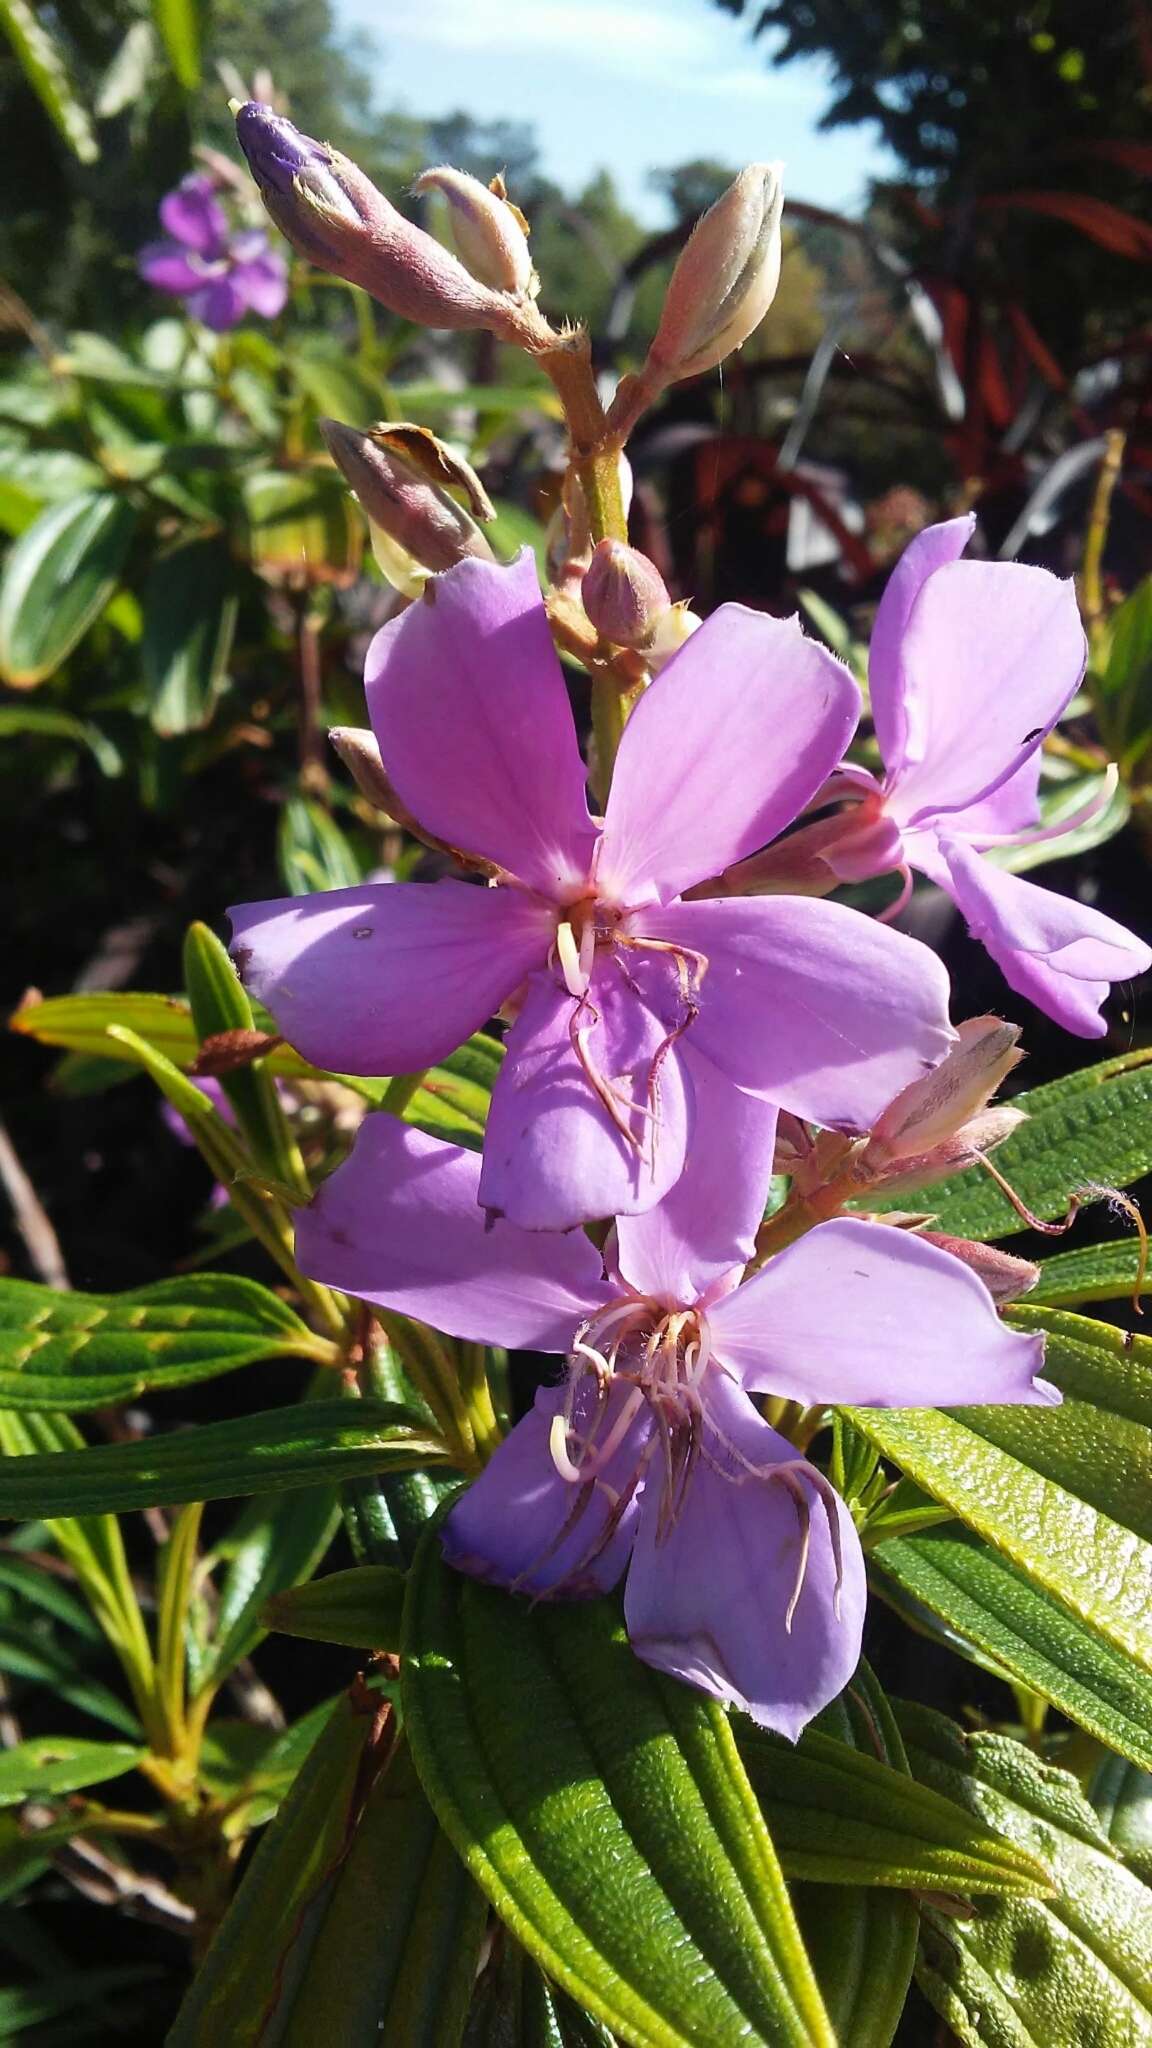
point(219, 273)
point(687, 1014)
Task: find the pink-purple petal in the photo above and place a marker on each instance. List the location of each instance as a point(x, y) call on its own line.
point(721, 753)
point(469, 705)
point(811, 1005)
point(194, 216)
point(261, 277)
point(386, 978)
point(890, 687)
point(218, 302)
point(872, 1317)
point(991, 655)
point(398, 1225)
point(1061, 954)
point(166, 266)
point(707, 1223)
point(708, 1597)
point(553, 1157)
point(521, 1525)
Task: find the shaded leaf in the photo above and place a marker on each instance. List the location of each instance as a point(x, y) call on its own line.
point(190, 607)
point(57, 580)
point(361, 1608)
point(44, 67)
point(61, 1763)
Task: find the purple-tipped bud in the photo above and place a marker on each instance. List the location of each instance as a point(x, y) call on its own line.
point(333, 215)
point(398, 474)
point(725, 278)
point(1005, 1276)
point(491, 235)
point(624, 594)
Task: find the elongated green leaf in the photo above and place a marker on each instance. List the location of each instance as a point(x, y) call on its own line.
point(1093, 1361)
point(180, 31)
point(861, 1938)
point(312, 850)
point(396, 1957)
point(605, 1813)
point(1094, 1127)
point(1091, 1564)
point(990, 1603)
point(838, 1816)
point(1095, 1272)
point(1121, 1795)
point(60, 1763)
point(290, 1447)
point(275, 1543)
point(515, 2007)
point(23, 1656)
point(361, 1607)
point(47, 73)
point(37, 719)
point(74, 1352)
point(58, 579)
point(1124, 691)
point(1075, 1967)
point(190, 609)
point(220, 1005)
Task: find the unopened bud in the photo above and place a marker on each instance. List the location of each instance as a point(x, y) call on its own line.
point(333, 215)
point(1005, 1276)
point(624, 594)
point(491, 235)
point(399, 475)
point(938, 1107)
point(725, 278)
point(359, 750)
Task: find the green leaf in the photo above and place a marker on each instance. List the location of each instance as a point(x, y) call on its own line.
point(988, 1602)
point(72, 1352)
point(1091, 1564)
point(220, 1004)
point(22, 1656)
point(1092, 1128)
point(1075, 1967)
point(303, 527)
point(312, 851)
point(58, 579)
point(52, 1764)
point(361, 1607)
point(275, 1543)
point(861, 1939)
point(47, 73)
point(190, 607)
point(838, 1816)
point(38, 720)
point(1125, 687)
point(605, 1813)
point(179, 23)
point(1095, 1272)
point(287, 1448)
point(1121, 1795)
point(514, 2006)
point(452, 1100)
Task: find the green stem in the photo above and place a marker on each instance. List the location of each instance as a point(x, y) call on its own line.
point(400, 1091)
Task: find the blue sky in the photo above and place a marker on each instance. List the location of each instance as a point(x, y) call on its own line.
point(625, 84)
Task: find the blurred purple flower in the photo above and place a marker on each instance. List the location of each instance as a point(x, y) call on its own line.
point(627, 997)
point(220, 275)
point(745, 1572)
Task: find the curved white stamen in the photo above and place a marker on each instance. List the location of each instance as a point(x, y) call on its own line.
point(571, 962)
point(587, 950)
point(558, 1446)
point(596, 1359)
point(600, 1453)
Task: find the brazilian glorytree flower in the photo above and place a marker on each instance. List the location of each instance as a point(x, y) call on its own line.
point(220, 275)
point(745, 1572)
point(971, 666)
point(626, 997)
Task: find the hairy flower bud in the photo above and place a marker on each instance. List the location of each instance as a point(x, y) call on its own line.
point(333, 215)
point(398, 474)
point(359, 749)
point(624, 594)
point(1005, 1276)
point(940, 1106)
point(725, 278)
point(491, 235)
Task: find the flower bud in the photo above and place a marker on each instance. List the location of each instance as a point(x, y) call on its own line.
point(938, 1108)
point(359, 750)
point(398, 474)
point(1005, 1276)
point(725, 278)
point(333, 215)
point(624, 594)
point(491, 235)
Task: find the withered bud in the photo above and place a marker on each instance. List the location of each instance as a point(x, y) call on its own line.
point(1005, 1276)
point(333, 215)
point(928, 1112)
point(725, 278)
point(399, 474)
point(359, 750)
point(624, 594)
point(491, 235)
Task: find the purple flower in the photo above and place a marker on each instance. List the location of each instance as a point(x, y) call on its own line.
point(628, 998)
point(745, 1572)
point(219, 275)
point(972, 664)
